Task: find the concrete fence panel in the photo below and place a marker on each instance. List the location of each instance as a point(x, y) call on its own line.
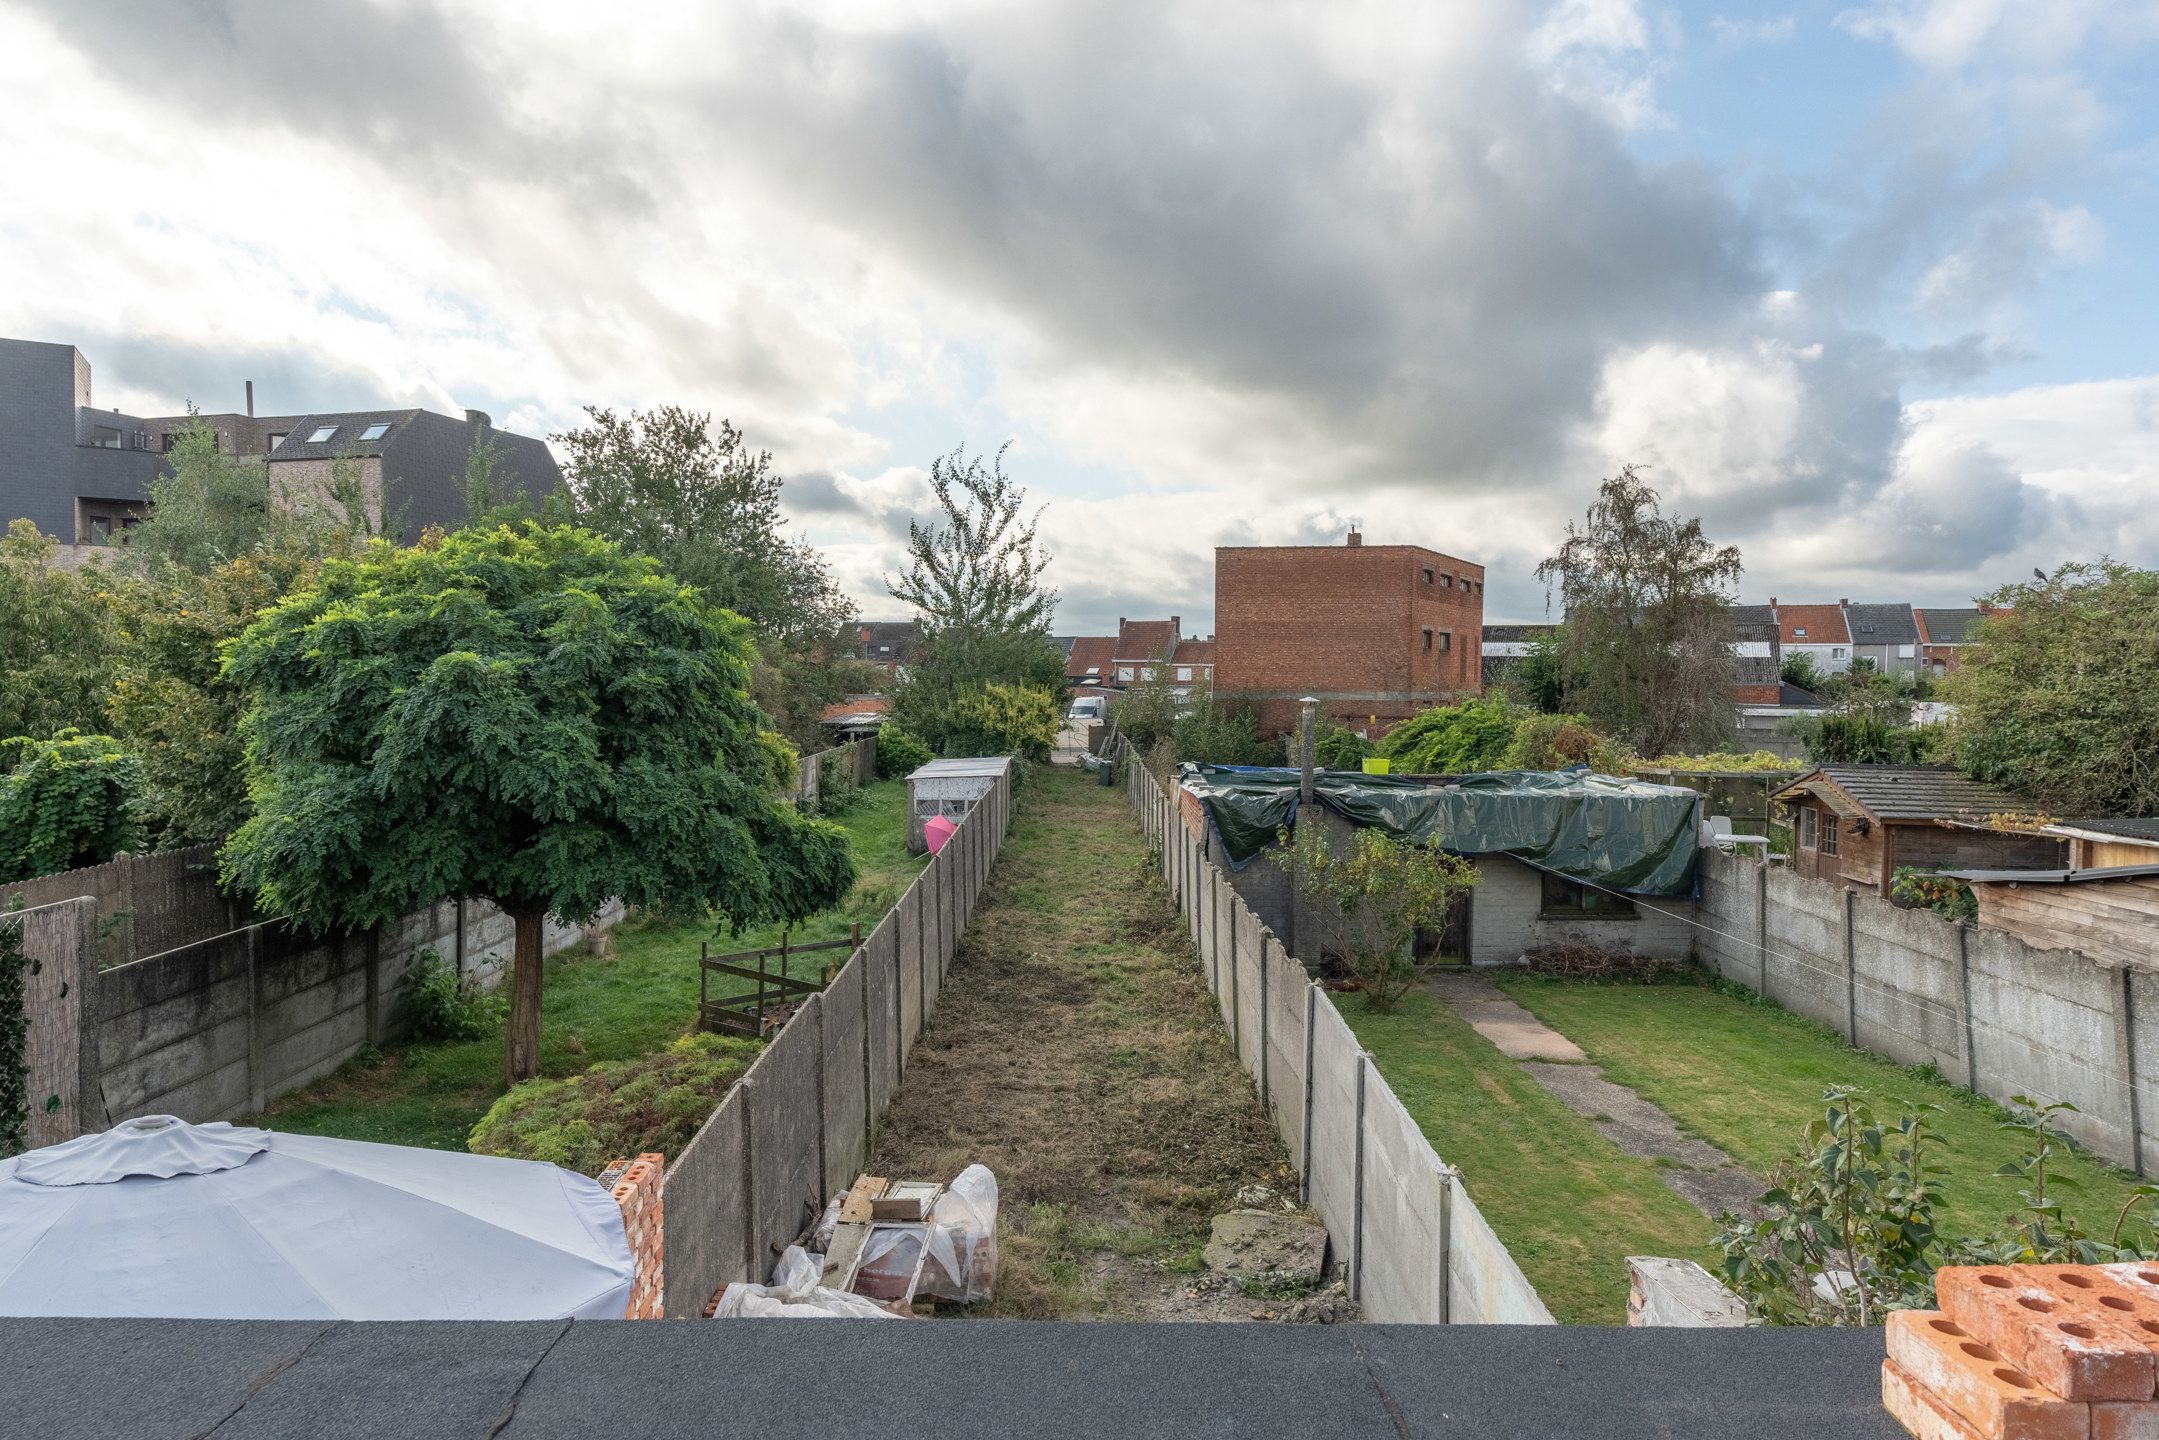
point(60, 1080)
point(1336, 1111)
point(785, 1135)
point(940, 877)
point(1403, 1216)
point(1484, 1285)
point(915, 936)
point(845, 1008)
point(2048, 1024)
point(708, 1231)
point(1287, 992)
point(1907, 985)
point(880, 961)
point(1804, 969)
point(1250, 991)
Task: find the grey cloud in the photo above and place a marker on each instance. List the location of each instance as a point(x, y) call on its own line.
point(818, 493)
point(290, 379)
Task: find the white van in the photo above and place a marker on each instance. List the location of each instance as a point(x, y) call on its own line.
point(1086, 708)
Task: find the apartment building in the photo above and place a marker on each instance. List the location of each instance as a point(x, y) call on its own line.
point(1374, 632)
point(82, 474)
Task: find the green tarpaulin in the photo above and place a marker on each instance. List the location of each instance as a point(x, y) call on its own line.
point(1624, 835)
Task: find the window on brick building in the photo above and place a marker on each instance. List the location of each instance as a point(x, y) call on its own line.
point(1828, 841)
point(1446, 639)
point(1427, 574)
point(1184, 672)
point(1427, 642)
point(1124, 672)
point(1446, 582)
point(322, 434)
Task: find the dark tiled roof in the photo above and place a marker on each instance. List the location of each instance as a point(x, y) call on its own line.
point(1753, 615)
point(1949, 627)
point(896, 637)
point(1517, 633)
point(1790, 694)
point(2133, 829)
point(1911, 792)
point(348, 426)
point(1882, 624)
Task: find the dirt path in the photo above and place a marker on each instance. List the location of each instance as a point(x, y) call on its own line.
point(1075, 1051)
point(1695, 1170)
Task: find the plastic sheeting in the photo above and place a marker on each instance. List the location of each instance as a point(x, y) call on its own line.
point(1625, 835)
point(156, 1217)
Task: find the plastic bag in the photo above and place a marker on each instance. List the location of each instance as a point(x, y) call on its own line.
point(962, 1263)
point(794, 1294)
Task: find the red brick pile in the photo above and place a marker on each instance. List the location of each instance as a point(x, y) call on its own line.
point(637, 1189)
point(2029, 1352)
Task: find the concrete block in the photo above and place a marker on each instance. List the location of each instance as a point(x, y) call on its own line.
point(786, 1173)
point(846, 1091)
point(880, 959)
point(709, 1205)
point(1404, 1274)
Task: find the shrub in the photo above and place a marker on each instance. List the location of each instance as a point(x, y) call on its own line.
point(72, 800)
point(1004, 720)
point(1339, 748)
point(1453, 739)
point(1721, 762)
point(1383, 892)
point(782, 760)
point(1224, 734)
point(624, 1107)
point(900, 753)
point(1928, 890)
point(445, 1007)
point(1556, 742)
point(836, 788)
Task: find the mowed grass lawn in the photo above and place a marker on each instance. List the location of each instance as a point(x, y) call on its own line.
point(1748, 1077)
point(617, 1007)
point(1567, 1203)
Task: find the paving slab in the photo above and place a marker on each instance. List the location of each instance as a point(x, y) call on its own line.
point(1492, 1014)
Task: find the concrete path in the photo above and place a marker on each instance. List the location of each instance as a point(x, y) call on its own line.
point(1518, 1034)
point(1695, 1170)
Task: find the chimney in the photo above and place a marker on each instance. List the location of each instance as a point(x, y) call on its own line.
point(250, 399)
point(479, 418)
point(1176, 624)
point(1356, 538)
point(1772, 602)
point(1842, 601)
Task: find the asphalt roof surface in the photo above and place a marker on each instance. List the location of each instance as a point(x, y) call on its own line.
point(74, 1379)
point(2140, 828)
point(1914, 792)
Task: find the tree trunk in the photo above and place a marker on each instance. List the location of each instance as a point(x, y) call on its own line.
point(521, 1039)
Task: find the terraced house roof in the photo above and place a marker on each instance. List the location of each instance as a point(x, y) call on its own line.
point(1947, 627)
point(1882, 624)
point(1812, 625)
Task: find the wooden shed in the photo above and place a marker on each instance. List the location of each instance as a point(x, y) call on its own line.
point(2104, 844)
point(949, 788)
point(1857, 825)
point(2110, 913)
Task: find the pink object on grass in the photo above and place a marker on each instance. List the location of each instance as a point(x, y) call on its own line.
point(935, 831)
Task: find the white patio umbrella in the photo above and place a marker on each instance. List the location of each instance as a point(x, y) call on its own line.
point(157, 1217)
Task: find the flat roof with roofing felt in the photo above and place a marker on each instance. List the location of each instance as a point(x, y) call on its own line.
point(2053, 877)
point(1904, 792)
point(983, 767)
point(982, 1381)
point(2141, 829)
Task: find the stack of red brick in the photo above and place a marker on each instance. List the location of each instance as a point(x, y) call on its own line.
point(638, 1187)
point(2029, 1352)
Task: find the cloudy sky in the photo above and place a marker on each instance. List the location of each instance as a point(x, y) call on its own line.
point(1869, 284)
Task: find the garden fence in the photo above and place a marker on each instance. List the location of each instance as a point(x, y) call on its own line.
point(1413, 1246)
point(798, 1126)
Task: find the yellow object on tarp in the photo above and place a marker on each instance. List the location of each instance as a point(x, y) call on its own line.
point(1376, 765)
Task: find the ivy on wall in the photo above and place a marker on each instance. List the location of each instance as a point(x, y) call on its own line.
point(14, 1035)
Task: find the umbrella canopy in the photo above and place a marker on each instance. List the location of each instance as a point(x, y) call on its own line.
point(156, 1217)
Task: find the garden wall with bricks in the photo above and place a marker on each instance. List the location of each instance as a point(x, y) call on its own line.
point(1990, 1012)
point(1413, 1247)
point(797, 1127)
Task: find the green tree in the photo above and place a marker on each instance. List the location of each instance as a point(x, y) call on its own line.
point(70, 801)
point(1382, 891)
point(979, 566)
point(955, 663)
point(1539, 676)
point(2058, 695)
point(533, 719)
point(1147, 711)
point(1646, 651)
point(207, 507)
point(1799, 669)
point(57, 638)
point(1453, 739)
point(1340, 748)
point(1020, 720)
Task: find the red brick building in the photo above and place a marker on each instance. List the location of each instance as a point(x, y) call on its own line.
point(1377, 632)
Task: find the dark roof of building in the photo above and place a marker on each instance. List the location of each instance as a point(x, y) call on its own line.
point(1146, 639)
point(883, 638)
point(1790, 694)
point(1882, 624)
point(2054, 877)
point(1948, 627)
point(1193, 652)
point(346, 428)
point(452, 1379)
point(1909, 792)
point(1517, 633)
point(2127, 829)
point(1091, 655)
point(1753, 615)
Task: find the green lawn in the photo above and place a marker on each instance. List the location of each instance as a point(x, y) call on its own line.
point(1748, 1078)
point(627, 1004)
point(1568, 1203)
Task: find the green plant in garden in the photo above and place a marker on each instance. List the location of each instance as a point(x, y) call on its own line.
point(1453, 739)
point(57, 638)
point(900, 753)
point(1383, 891)
point(617, 1109)
point(1339, 748)
point(1556, 742)
point(1928, 890)
point(998, 719)
point(531, 718)
point(14, 1036)
point(1222, 732)
point(72, 800)
point(1721, 762)
point(782, 760)
point(444, 1006)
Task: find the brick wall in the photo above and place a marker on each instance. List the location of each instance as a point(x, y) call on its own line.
point(639, 1188)
point(1346, 623)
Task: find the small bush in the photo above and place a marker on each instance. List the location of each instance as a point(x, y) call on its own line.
point(781, 759)
point(1339, 748)
point(73, 800)
point(444, 1007)
point(621, 1108)
point(1020, 720)
point(1580, 960)
point(1926, 890)
point(899, 753)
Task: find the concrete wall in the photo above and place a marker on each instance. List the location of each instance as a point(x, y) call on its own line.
point(1992, 1013)
point(1410, 1241)
point(797, 1126)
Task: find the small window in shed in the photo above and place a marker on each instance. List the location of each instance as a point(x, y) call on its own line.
point(1830, 825)
point(1806, 827)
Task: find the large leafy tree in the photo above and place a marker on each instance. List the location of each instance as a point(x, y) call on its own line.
point(1646, 651)
point(977, 566)
point(2058, 698)
point(58, 632)
point(69, 801)
point(532, 718)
